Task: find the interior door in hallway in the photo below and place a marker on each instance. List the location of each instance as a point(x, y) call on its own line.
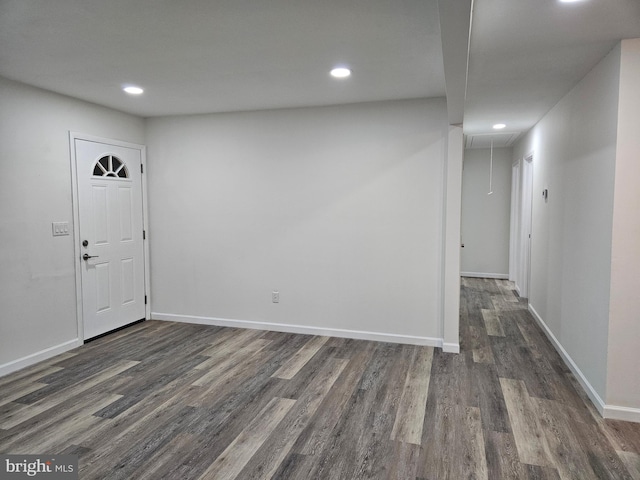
point(109, 183)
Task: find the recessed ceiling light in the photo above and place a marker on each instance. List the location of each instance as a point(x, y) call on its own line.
point(499, 126)
point(570, 1)
point(133, 90)
point(340, 72)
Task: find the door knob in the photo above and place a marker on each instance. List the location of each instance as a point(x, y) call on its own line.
point(86, 256)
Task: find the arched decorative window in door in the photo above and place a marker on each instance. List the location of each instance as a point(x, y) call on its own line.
point(110, 166)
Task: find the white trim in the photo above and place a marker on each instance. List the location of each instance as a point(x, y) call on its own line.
point(513, 220)
point(526, 225)
point(502, 276)
point(76, 233)
point(451, 347)
point(626, 414)
point(614, 412)
point(302, 329)
point(36, 357)
point(145, 241)
point(587, 387)
point(73, 136)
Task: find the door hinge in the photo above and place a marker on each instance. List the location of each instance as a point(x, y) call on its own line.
point(144, 234)
point(145, 299)
point(141, 168)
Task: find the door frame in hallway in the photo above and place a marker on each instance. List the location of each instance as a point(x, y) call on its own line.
point(521, 224)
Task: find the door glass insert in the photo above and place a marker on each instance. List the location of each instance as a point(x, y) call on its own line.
point(110, 166)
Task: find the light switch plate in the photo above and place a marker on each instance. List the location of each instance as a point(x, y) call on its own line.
point(60, 228)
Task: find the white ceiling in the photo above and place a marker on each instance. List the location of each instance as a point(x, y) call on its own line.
point(525, 55)
point(200, 56)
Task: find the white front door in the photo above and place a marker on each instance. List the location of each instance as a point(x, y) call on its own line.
point(109, 185)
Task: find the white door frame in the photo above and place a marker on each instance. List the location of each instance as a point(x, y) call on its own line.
point(521, 224)
point(524, 228)
point(77, 250)
point(514, 227)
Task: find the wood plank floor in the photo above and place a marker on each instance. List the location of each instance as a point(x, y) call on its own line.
point(176, 401)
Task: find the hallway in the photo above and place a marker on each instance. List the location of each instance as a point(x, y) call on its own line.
point(537, 421)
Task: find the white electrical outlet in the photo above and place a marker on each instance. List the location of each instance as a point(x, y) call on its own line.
point(275, 297)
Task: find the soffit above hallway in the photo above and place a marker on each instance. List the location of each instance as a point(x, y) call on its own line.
point(201, 56)
point(525, 55)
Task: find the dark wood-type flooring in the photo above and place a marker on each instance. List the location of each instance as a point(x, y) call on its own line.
point(177, 401)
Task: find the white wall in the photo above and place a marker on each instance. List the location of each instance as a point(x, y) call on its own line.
point(451, 240)
point(37, 276)
point(338, 208)
point(574, 148)
point(485, 218)
point(623, 381)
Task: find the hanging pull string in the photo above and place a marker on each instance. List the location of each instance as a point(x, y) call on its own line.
point(491, 170)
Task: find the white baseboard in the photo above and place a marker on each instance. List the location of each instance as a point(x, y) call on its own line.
point(613, 412)
point(451, 347)
point(302, 329)
point(587, 387)
point(34, 358)
point(501, 276)
point(622, 413)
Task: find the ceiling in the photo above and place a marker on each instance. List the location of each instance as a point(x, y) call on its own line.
point(525, 55)
point(202, 56)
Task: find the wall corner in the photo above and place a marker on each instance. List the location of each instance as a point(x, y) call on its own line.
point(451, 241)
